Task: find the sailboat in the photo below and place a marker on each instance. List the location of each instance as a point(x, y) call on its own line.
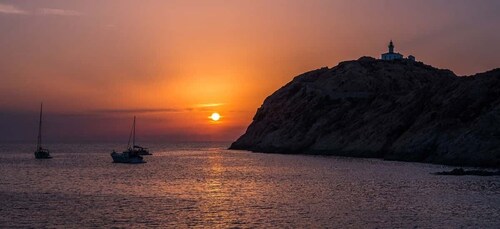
point(40, 152)
point(130, 156)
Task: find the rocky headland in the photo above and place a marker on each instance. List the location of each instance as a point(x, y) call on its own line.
point(395, 110)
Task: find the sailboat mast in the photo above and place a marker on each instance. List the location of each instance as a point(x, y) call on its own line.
point(39, 143)
point(133, 141)
point(130, 136)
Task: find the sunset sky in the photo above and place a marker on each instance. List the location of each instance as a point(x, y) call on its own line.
point(96, 64)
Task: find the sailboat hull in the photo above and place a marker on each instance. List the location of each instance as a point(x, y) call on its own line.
point(127, 157)
point(42, 154)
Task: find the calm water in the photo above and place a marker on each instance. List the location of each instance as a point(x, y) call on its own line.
point(196, 185)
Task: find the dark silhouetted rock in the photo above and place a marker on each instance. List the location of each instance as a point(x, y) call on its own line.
point(396, 110)
point(462, 172)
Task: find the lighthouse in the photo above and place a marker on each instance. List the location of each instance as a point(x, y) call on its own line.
point(391, 55)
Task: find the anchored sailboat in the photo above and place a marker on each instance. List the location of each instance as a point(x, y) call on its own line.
point(130, 155)
point(40, 152)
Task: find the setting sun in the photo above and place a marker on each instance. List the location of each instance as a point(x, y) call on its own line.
point(215, 116)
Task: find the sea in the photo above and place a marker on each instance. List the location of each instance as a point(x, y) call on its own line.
point(204, 185)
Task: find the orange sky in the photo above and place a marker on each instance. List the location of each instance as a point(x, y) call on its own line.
point(95, 64)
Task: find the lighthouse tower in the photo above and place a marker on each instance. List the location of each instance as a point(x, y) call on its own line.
point(391, 55)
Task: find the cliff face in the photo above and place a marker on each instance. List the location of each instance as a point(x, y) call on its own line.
point(397, 110)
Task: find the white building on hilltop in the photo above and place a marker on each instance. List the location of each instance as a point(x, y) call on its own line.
point(391, 55)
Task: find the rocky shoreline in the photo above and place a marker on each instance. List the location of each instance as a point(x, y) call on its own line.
point(462, 172)
point(396, 110)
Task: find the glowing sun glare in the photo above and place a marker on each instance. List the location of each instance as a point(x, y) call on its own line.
point(215, 116)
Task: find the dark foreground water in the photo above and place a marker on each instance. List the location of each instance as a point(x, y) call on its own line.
point(197, 185)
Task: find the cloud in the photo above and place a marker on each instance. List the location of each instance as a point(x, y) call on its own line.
point(204, 106)
point(10, 9)
point(197, 107)
point(141, 110)
point(58, 12)
point(210, 105)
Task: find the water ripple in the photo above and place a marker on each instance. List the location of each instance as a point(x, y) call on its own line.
point(206, 186)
